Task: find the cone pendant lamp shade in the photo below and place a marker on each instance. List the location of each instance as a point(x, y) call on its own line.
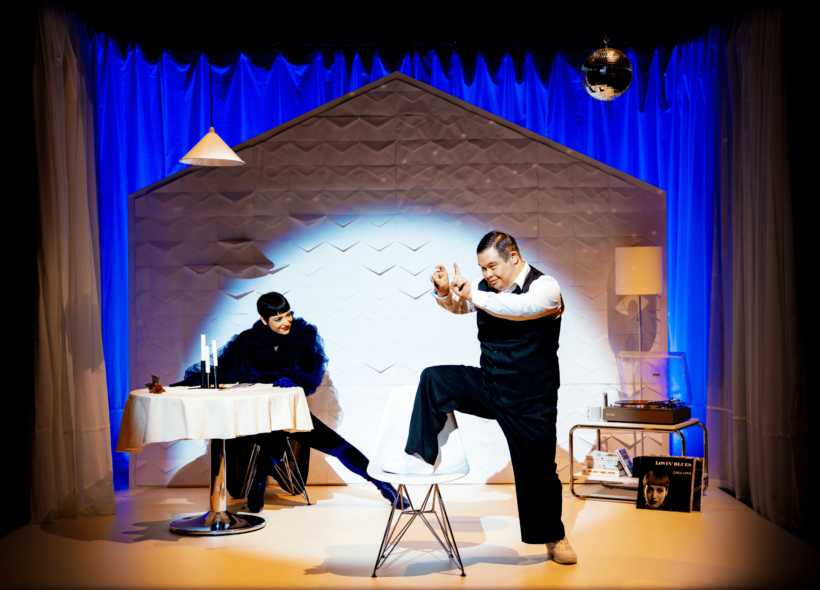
point(211, 151)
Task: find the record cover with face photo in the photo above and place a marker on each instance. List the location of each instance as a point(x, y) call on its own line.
point(665, 483)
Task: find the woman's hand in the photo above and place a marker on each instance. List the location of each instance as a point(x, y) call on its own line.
point(285, 382)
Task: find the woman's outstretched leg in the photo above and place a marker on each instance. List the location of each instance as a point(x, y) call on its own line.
point(325, 439)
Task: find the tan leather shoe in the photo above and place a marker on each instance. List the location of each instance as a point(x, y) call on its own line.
point(561, 552)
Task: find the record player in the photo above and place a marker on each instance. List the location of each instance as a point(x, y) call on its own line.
point(654, 389)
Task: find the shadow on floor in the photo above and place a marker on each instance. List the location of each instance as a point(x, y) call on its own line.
point(114, 529)
point(410, 559)
point(122, 528)
point(413, 557)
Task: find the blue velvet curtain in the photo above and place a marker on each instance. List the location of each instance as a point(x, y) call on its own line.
point(152, 106)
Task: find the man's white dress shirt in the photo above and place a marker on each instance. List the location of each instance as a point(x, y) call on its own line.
point(542, 299)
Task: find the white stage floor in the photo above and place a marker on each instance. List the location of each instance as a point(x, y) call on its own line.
point(333, 544)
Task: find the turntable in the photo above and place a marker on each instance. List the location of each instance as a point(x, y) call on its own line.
point(648, 411)
point(654, 389)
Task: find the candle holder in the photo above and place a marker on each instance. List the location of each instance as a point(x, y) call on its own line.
point(203, 376)
point(215, 377)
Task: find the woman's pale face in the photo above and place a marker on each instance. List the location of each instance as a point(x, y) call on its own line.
point(281, 323)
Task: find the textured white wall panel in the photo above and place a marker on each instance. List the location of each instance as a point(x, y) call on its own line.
point(346, 212)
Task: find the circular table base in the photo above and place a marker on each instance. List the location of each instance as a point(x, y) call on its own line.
point(217, 523)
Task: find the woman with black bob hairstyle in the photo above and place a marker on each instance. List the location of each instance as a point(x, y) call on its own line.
point(287, 352)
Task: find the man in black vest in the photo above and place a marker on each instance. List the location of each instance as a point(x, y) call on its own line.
point(519, 319)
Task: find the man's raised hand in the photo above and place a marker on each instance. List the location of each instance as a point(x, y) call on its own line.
point(440, 279)
point(461, 286)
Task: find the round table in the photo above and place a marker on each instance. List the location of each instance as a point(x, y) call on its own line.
point(183, 413)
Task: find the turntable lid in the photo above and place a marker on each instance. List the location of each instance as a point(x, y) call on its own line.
point(653, 376)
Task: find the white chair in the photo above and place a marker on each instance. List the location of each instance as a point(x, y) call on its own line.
point(451, 465)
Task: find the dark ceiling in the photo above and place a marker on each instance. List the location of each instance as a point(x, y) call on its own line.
point(301, 27)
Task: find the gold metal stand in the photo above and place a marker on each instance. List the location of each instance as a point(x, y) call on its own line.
point(642, 428)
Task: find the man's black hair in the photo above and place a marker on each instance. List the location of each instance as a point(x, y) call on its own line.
point(503, 243)
point(272, 304)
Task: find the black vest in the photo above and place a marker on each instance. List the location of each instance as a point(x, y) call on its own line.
point(519, 358)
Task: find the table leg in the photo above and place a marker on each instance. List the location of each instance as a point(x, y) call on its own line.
point(218, 520)
point(572, 464)
point(705, 456)
point(682, 442)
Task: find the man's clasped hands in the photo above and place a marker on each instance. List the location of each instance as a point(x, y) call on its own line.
point(460, 285)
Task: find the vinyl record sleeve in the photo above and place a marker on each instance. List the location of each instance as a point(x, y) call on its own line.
point(665, 483)
point(697, 494)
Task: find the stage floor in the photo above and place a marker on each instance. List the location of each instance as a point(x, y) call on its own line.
point(333, 544)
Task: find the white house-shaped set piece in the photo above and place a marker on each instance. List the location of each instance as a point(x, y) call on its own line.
point(346, 210)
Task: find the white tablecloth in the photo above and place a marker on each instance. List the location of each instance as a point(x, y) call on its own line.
point(195, 414)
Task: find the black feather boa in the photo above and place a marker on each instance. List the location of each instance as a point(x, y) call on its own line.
point(260, 355)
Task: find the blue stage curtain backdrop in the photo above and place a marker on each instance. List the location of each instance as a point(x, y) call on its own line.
point(684, 126)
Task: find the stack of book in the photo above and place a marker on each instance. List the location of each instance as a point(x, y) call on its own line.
point(601, 463)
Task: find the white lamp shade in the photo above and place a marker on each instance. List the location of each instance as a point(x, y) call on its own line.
point(211, 151)
point(639, 271)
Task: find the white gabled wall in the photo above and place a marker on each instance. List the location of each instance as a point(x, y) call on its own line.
point(346, 213)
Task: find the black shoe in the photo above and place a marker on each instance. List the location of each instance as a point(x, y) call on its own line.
point(256, 493)
point(389, 493)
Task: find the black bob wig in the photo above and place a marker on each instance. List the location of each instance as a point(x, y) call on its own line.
point(272, 304)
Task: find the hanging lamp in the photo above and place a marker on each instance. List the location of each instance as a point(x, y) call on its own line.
point(211, 149)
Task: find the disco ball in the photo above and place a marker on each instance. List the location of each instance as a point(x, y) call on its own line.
point(606, 73)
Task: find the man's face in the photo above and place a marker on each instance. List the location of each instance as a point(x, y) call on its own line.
point(499, 274)
point(654, 495)
point(281, 323)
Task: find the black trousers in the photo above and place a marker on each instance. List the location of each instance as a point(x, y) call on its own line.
point(529, 428)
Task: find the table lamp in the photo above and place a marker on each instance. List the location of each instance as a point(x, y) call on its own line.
point(639, 271)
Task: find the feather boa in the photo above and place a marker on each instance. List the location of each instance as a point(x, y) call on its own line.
point(260, 355)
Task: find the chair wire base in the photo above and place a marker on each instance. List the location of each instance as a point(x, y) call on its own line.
point(286, 473)
point(394, 532)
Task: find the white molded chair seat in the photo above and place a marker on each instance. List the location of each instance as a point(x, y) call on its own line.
point(451, 465)
point(390, 442)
